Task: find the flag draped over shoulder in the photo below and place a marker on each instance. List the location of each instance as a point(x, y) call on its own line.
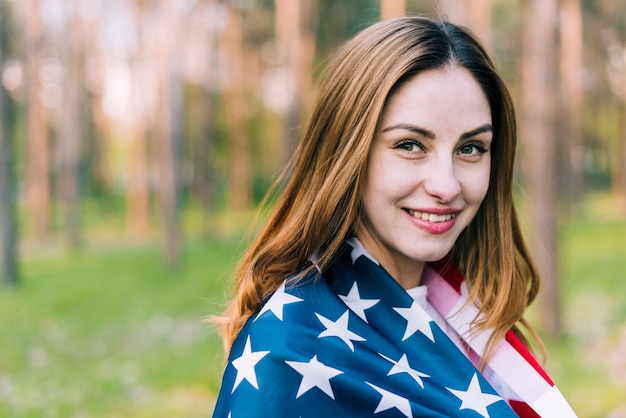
point(353, 343)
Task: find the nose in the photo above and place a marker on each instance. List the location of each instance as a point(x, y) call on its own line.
point(442, 181)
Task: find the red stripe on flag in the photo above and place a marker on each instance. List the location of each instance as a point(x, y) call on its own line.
point(523, 410)
point(453, 276)
point(517, 344)
point(449, 272)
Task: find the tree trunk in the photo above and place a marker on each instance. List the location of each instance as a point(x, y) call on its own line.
point(95, 135)
point(168, 132)
point(200, 100)
point(620, 182)
point(136, 129)
point(200, 109)
point(70, 131)
point(571, 101)
point(480, 20)
point(392, 8)
point(288, 27)
point(539, 149)
point(137, 186)
point(37, 180)
point(239, 159)
point(296, 21)
point(8, 218)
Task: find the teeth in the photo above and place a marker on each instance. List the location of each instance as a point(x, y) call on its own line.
point(431, 217)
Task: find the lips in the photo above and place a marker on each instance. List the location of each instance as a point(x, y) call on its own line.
point(431, 217)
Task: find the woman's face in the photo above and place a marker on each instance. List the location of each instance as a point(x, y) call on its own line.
point(428, 170)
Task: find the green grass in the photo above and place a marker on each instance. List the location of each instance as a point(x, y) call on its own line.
point(109, 332)
point(589, 363)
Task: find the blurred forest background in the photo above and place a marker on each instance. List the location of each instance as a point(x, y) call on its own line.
point(137, 137)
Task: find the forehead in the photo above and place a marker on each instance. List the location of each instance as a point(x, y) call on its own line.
point(448, 97)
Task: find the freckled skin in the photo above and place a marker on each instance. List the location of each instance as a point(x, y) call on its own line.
point(430, 156)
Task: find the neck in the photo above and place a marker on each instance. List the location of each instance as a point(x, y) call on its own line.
point(408, 278)
point(406, 271)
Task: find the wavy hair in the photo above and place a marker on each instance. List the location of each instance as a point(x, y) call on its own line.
point(320, 205)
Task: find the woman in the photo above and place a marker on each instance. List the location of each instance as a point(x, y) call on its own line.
point(391, 277)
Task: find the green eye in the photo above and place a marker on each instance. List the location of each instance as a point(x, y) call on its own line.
point(472, 148)
point(410, 146)
point(468, 149)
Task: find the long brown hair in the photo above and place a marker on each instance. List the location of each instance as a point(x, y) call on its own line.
point(321, 203)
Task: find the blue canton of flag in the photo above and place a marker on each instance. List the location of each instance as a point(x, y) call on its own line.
point(350, 343)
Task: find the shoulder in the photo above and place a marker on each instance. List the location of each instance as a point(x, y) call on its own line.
point(278, 344)
point(298, 350)
point(290, 317)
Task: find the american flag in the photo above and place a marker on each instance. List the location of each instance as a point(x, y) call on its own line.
point(352, 343)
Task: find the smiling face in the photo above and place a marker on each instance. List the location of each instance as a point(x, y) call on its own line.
point(428, 171)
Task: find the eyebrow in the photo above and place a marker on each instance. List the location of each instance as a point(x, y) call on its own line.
point(431, 135)
point(481, 129)
point(411, 128)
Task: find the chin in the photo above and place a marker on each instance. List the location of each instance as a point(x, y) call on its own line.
point(434, 256)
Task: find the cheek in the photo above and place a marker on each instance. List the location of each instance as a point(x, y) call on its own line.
point(475, 187)
point(382, 190)
point(392, 176)
point(378, 178)
point(483, 186)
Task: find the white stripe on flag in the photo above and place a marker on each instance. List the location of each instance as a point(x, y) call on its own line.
point(553, 404)
point(506, 362)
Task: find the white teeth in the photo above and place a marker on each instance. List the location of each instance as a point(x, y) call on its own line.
point(431, 217)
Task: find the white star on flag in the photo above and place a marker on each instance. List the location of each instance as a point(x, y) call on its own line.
point(391, 400)
point(417, 320)
point(276, 303)
point(245, 365)
point(473, 398)
point(403, 366)
point(314, 374)
point(353, 301)
point(339, 329)
point(358, 250)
